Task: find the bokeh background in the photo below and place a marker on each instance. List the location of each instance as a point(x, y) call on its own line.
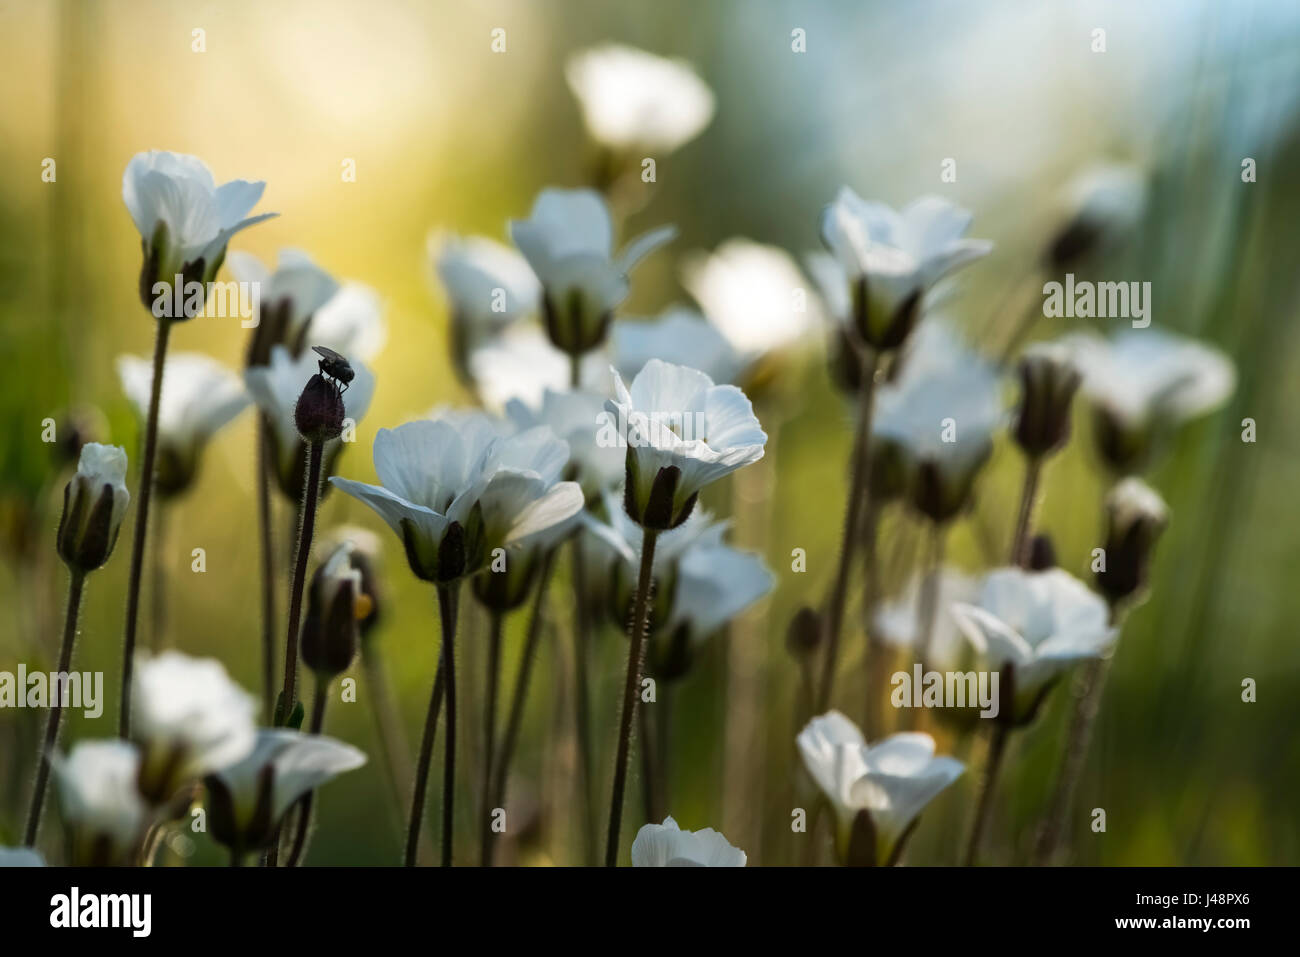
point(445, 133)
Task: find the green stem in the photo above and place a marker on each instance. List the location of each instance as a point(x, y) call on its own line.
point(631, 692)
point(141, 535)
point(306, 806)
point(447, 602)
point(76, 586)
point(311, 496)
point(1024, 520)
point(267, 552)
point(582, 698)
point(495, 624)
point(997, 748)
point(422, 767)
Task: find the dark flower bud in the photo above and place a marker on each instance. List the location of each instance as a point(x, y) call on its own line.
point(319, 413)
point(1048, 381)
point(804, 634)
point(941, 490)
point(506, 581)
point(94, 502)
point(1125, 448)
point(575, 322)
point(861, 848)
point(1042, 553)
point(883, 330)
point(1135, 517)
point(336, 603)
point(662, 510)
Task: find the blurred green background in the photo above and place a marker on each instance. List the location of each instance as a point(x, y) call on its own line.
point(446, 133)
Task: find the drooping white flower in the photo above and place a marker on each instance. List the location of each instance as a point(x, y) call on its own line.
point(488, 286)
point(188, 718)
point(891, 781)
point(633, 100)
point(1101, 204)
point(454, 492)
point(100, 801)
point(678, 335)
point(1032, 627)
point(891, 259)
point(199, 397)
point(755, 295)
point(276, 388)
point(183, 217)
point(248, 798)
point(715, 583)
point(682, 432)
point(287, 297)
point(1143, 383)
point(575, 417)
point(20, 857)
point(95, 501)
point(941, 411)
point(667, 845)
point(897, 621)
point(523, 364)
point(568, 241)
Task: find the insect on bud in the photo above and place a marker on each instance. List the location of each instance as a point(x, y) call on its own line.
point(94, 501)
point(1048, 381)
point(320, 411)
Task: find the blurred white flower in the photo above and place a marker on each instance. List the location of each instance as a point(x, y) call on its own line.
point(199, 397)
point(100, 801)
point(941, 411)
point(715, 583)
point(287, 297)
point(897, 621)
point(575, 417)
point(453, 492)
point(678, 335)
point(667, 845)
point(1145, 382)
point(1101, 204)
point(20, 857)
point(94, 503)
point(891, 781)
point(568, 241)
point(1136, 515)
point(183, 217)
point(188, 718)
point(634, 100)
point(248, 798)
point(351, 323)
point(890, 259)
point(1037, 625)
point(523, 364)
point(682, 432)
point(276, 388)
point(755, 295)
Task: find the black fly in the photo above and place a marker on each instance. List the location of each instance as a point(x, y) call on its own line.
point(334, 366)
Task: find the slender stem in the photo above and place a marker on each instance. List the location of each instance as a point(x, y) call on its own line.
point(1076, 750)
point(873, 650)
point(1024, 521)
point(859, 471)
point(75, 587)
point(158, 584)
point(582, 699)
point(993, 764)
point(311, 496)
point(631, 692)
point(447, 602)
point(495, 623)
point(267, 552)
point(141, 535)
point(928, 597)
point(422, 768)
point(648, 753)
point(663, 727)
point(306, 806)
point(520, 697)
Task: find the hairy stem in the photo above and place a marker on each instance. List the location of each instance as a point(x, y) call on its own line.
point(495, 624)
point(422, 767)
point(447, 602)
point(306, 806)
point(267, 554)
point(311, 496)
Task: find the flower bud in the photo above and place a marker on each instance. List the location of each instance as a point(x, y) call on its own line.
point(941, 490)
point(506, 588)
point(1048, 381)
point(575, 322)
point(1135, 517)
point(1042, 553)
point(319, 413)
point(663, 508)
point(880, 321)
point(804, 634)
point(94, 502)
point(335, 605)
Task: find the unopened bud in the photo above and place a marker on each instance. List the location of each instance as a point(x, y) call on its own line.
point(319, 413)
point(94, 501)
point(1048, 381)
point(1135, 517)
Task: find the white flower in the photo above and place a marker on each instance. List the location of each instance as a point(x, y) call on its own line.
point(199, 396)
point(941, 411)
point(100, 801)
point(182, 215)
point(682, 433)
point(897, 622)
point(634, 100)
point(1136, 515)
point(568, 241)
point(1037, 625)
point(95, 501)
point(20, 857)
point(189, 718)
point(892, 781)
point(248, 798)
point(754, 294)
point(667, 845)
point(890, 259)
point(680, 336)
point(351, 323)
point(1101, 204)
point(575, 418)
point(452, 492)
point(1144, 383)
point(288, 297)
point(523, 364)
point(715, 583)
point(276, 388)
point(488, 286)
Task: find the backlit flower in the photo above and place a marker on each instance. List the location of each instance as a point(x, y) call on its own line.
point(667, 845)
point(100, 802)
point(681, 336)
point(94, 503)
